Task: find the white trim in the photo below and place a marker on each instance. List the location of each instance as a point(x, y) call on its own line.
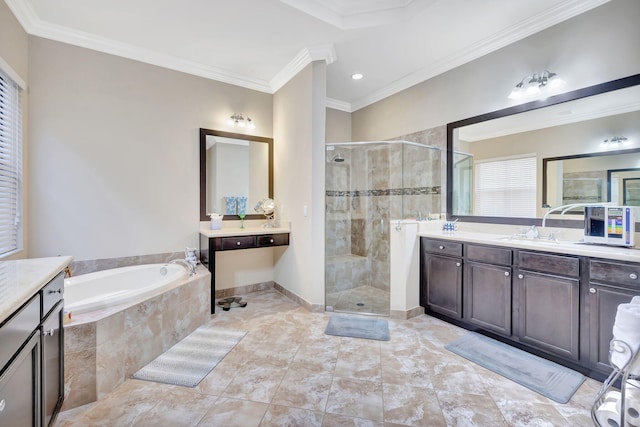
point(336, 104)
point(305, 57)
point(514, 157)
point(4, 66)
point(33, 25)
point(550, 17)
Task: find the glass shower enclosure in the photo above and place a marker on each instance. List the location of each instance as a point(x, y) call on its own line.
point(368, 184)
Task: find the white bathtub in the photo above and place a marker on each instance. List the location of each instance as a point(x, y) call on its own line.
point(102, 289)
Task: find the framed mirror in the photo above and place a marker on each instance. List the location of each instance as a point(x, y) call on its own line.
point(495, 161)
point(232, 167)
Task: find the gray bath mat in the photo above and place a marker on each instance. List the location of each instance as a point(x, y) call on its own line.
point(540, 375)
point(190, 360)
point(358, 327)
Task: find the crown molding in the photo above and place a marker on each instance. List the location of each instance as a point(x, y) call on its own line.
point(305, 57)
point(336, 104)
point(550, 17)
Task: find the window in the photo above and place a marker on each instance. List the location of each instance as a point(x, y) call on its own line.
point(506, 187)
point(10, 165)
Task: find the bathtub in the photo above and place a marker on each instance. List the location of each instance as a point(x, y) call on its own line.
point(107, 288)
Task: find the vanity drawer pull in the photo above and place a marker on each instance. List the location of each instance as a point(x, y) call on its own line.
point(441, 247)
point(633, 276)
point(506, 273)
point(2, 405)
point(457, 264)
point(270, 240)
point(49, 333)
point(56, 291)
point(592, 290)
point(520, 276)
point(238, 243)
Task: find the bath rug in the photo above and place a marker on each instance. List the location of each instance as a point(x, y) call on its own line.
point(190, 360)
point(358, 327)
point(540, 375)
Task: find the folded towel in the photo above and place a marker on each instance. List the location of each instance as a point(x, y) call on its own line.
point(626, 328)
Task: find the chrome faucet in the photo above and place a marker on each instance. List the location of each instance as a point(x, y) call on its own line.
point(191, 266)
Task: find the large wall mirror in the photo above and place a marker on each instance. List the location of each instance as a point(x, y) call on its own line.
point(550, 152)
point(234, 165)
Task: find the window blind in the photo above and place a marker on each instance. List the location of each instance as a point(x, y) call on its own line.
point(506, 187)
point(10, 165)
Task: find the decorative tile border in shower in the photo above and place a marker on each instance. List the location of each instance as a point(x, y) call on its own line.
point(414, 191)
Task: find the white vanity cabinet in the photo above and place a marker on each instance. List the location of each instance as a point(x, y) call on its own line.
point(31, 359)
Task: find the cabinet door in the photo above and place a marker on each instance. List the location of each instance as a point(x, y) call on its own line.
point(20, 387)
point(487, 297)
point(549, 313)
point(52, 365)
point(603, 304)
point(443, 284)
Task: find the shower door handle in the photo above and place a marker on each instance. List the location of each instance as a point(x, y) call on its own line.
point(381, 226)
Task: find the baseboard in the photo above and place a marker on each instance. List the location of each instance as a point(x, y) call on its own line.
point(229, 292)
point(314, 308)
point(406, 314)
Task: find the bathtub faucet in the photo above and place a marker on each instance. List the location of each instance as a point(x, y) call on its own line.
point(191, 266)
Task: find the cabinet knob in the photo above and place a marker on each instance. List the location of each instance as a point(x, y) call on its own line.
point(2, 405)
point(270, 240)
point(457, 264)
point(506, 273)
point(633, 276)
point(56, 291)
point(441, 247)
point(592, 290)
point(237, 243)
point(49, 333)
point(520, 276)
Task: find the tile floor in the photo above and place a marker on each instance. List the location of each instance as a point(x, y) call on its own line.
point(287, 372)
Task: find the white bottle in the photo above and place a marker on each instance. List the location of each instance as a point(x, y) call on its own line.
point(216, 221)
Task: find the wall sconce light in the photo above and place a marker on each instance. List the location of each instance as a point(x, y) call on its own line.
point(531, 86)
point(239, 120)
point(614, 142)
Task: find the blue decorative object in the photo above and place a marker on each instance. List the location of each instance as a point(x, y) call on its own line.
point(231, 207)
point(242, 204)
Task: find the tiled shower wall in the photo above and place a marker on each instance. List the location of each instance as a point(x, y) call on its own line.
point(375, 184)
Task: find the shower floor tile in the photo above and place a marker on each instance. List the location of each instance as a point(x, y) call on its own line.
point(363, 299)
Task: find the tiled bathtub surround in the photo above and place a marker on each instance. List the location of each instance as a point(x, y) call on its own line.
point(376, 183)
point(105, 347)
point(93, 265)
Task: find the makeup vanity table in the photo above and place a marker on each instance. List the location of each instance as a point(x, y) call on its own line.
point(231, 239)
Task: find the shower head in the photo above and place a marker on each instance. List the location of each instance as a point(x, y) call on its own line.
point(338, 158)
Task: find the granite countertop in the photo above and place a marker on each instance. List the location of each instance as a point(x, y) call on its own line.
point(237, 231)
point(565, 247)
point(22, 279)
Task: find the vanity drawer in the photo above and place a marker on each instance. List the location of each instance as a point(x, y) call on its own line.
point(273, 240)
point(16, 331)
point(613, 272)
point(547, 263)
point(491, 255)
point(444, 247)
point(52, 293)
point(240, 242)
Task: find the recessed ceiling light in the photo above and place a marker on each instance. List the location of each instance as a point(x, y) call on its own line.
point(356, 76)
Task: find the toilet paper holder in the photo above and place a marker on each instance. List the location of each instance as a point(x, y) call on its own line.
point(628, 386)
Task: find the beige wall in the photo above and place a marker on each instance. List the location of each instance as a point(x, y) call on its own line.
point(597, 46)
point(338, 126)
point(14, 51)
point(114, 151)
point(299, 132)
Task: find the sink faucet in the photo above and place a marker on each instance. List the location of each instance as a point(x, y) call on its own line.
point(566, 208)
point(533, 232)
point(191, 266)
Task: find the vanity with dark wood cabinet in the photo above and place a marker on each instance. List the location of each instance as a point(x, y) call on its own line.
point(560, 306)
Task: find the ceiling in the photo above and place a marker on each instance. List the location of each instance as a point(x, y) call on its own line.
point(261, 44)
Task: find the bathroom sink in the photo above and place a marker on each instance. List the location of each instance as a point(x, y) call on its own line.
point(538, 241)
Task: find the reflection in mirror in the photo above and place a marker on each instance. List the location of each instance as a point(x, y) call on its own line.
point(631, 190)
point(235, 172)
point(589, 178)
point(498, 156)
